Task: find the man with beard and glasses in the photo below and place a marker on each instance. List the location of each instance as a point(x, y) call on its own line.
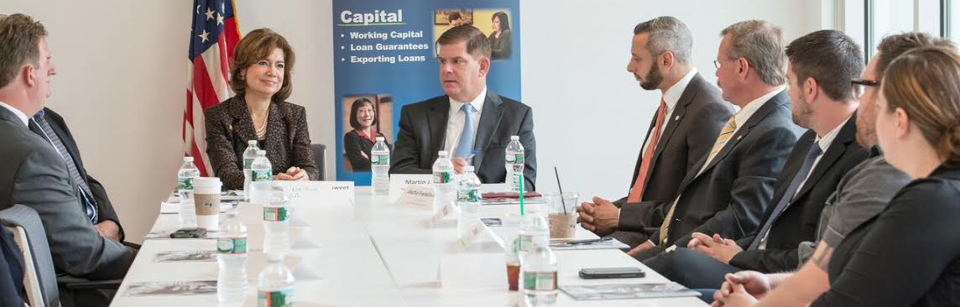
point(690, 116)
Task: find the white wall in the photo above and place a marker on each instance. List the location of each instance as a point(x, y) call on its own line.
point(121, 81)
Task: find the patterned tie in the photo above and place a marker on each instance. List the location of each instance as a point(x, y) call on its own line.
point(465, 145)
point(788, 195)
point(638, 185)
point(47, 132)
point(722, 139)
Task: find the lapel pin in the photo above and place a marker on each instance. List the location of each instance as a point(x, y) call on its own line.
point(677, 118)
point(739, 137)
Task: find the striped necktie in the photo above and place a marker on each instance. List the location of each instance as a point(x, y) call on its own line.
point(46, 131)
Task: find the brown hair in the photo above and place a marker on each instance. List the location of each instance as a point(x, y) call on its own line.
point(477, 44)
point(894, 45)
point(830, 57)
point(257, 45)
point(761, 43)
point(925, 83)
point(19, 45)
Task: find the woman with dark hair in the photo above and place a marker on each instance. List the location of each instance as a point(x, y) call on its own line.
point(500, 38)
point(358, 142)
point(262, 65)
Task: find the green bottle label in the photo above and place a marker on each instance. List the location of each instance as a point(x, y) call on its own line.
point(442, 177)
point(185, 183)
point(232, 245)
point(542, 281)
point(275, 214)
point(247, 163)
point(469, 196)
point(517, 158)
point(282, 298)
point(261, 175)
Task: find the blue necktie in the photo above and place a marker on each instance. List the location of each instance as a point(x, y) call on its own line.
point(788, 194)
point(47, 132)
point(465, 145)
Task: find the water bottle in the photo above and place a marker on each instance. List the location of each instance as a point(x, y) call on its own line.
point(248, 156)
point(276, 222)
point(533, 229)
point(232, 258)
point(380, 166)
point(539, 278)
point(443, 185)
point(275, 288)
point(188, 171)
point(514, 164)
point(468, 200)
point(261, 173)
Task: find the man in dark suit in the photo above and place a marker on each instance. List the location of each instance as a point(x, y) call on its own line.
point(11, 271)
point(33, 171)
point(728, 189)
point(470, 120)
point(690, 116)
point(107, 222)
point(821, 67)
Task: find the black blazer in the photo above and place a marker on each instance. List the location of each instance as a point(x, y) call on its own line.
point(423, 130)
point(353, 145)
point(908, 255)
point(689, 134)
point(798, 221)
point(11, 271)
point(500, 46)
point(732, 193)
point(104, 206)
point(229, 127)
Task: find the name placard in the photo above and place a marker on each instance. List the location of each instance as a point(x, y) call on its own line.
point(470, 235)
point(310, 190)
point(400, 181)
point(432, 221)
point(416, 196)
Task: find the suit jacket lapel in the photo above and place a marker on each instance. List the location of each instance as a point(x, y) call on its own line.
point(275, 122)
point(68, 142)
point(489, 123)
point(437, 119)
point(679, 111)
point(846, 136)
point(636, 168)
point(757, 117)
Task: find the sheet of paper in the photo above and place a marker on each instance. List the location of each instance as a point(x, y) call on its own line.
point(416, 196)
point(400, 181)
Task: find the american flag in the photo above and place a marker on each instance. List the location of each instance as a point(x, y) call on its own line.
point(213, 36)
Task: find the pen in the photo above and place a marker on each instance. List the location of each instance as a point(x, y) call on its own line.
point(588, 241)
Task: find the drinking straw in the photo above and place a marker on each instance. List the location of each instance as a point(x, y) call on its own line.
point(520, 178)
point(562, 202)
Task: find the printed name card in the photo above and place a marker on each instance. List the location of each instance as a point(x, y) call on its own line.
point(400, 181)
point(470, 235)
point(432, 221)
point(317, 190)
point(416, 196)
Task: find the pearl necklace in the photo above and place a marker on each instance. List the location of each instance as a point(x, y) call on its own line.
point(262, 131)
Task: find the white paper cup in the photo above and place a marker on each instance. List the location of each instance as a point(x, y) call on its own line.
point(206, 197)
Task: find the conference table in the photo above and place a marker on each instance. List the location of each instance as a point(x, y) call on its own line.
point(357, 249)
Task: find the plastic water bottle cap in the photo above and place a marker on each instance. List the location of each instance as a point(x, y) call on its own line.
point(379, 139)
point(514, 137)
point(252, 142)
point(442, 153)
point(187, 159)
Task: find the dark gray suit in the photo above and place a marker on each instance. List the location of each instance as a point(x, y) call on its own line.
point(32, 173)
point(423, 130)
point(731, 194)
point(697, 118)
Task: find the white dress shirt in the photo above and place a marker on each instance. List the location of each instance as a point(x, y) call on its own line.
point(23, 117)
point(671, 97)
point(456, 119)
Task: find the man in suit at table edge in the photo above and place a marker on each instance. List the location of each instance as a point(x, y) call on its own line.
point(821, 68)
point(727, 192)
point(469, 121)
point(33, 171)
point(690, 115)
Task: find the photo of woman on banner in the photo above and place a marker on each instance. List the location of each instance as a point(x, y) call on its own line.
point(500, 38)
point(358, 142)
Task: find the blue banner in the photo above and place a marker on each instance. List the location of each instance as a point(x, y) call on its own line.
point(384, 58)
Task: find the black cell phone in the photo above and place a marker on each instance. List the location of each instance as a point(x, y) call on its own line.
point(189, 233)
point(624, 272)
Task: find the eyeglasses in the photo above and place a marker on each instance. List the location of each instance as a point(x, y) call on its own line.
point(716, 64)
point(861, 85)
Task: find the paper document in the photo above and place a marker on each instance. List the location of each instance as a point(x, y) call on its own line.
point(559, 245)
point(181, 256)
point(627, 291)
point(172, 288)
